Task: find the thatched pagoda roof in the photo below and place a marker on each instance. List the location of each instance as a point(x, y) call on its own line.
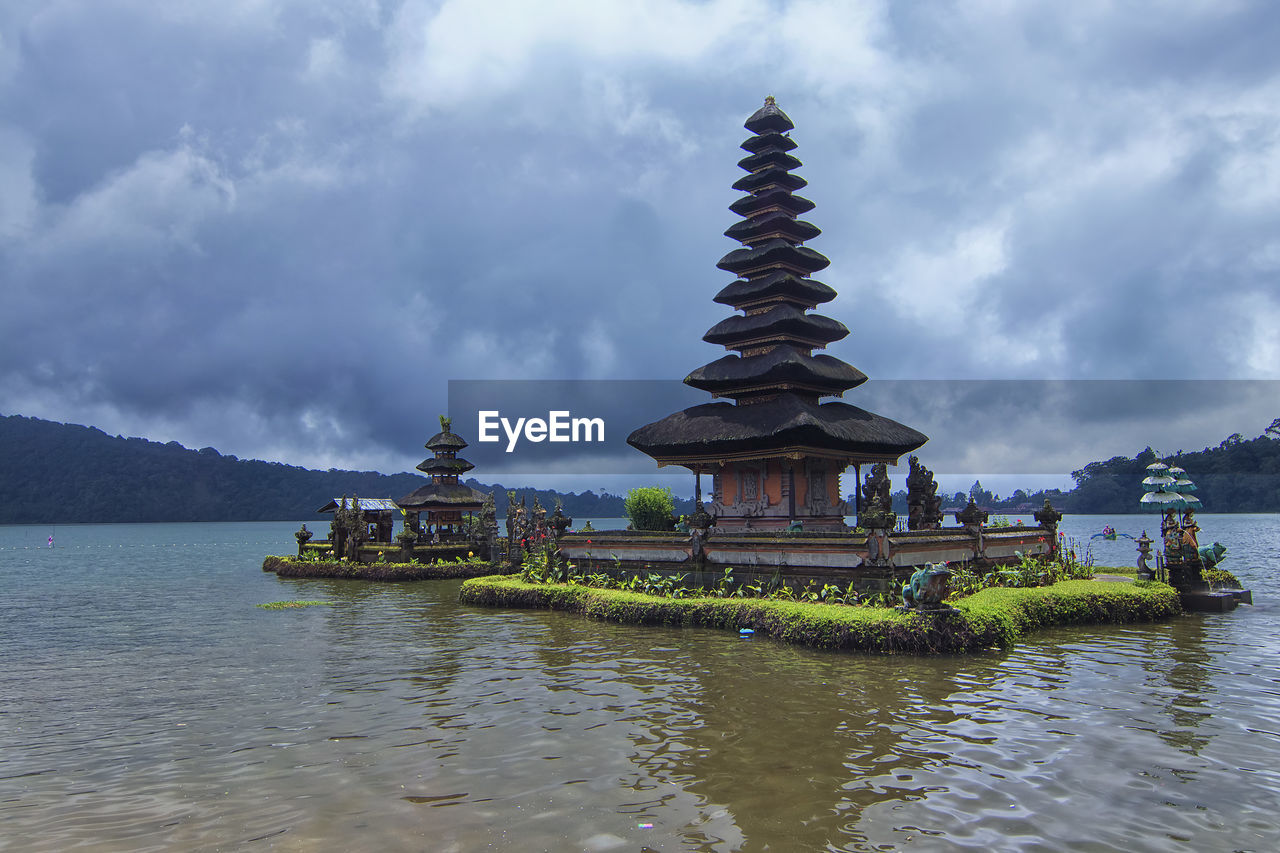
point(769, 119)
point(775, 223)
point(445, 440)
point(781, 367)
point(750, 205)
point(787, 423)
point(780, 286)
point(775, 253)
point(780, 322)
point(457, 496)
point(442, 465)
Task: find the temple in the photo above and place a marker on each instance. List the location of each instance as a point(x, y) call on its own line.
point(444, 500)
point(776, 452)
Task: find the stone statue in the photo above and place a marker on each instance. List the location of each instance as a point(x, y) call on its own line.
point(877, 504)
point(559, 522)
point(1048, 518)
point(303, 536)
point(1170, 533)
point(408, 538)
point(511, 519)
point(876, 487)
point(701, 519)
point(918, 479)
point(1190, 535)
point(932, 506)
point(1211, 555)
point(697, 547)
point(515, 524)
point(927, 588)
point(539, 518)
point(487, 535)
point(349, 520)
point(1145, 571)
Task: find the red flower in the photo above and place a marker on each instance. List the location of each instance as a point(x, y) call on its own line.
point(588, 541)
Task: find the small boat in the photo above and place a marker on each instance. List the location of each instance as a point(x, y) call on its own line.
point(1108, 532)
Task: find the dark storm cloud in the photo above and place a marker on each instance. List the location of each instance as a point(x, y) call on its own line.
point(280, 228)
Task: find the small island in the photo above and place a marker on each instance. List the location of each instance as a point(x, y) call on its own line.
point(772, 553)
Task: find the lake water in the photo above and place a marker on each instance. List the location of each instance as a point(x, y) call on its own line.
point(147, 704)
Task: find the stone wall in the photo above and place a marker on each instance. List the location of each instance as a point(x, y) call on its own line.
point(838, 558)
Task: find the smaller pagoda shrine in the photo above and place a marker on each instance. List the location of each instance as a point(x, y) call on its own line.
point(1183, 559)
point(444, 500)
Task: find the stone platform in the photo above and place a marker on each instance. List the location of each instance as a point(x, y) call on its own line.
point(834, 557)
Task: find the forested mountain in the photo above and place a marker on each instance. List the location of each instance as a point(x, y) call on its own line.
point(63, 473)
point(1239, 475)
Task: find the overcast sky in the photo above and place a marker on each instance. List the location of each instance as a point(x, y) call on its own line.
point(279, 227)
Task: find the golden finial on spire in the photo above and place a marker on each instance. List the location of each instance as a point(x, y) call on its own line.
point(769, 101)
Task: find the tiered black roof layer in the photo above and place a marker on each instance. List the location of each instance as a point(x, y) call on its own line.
point(775, 223)
point(779, 324)
point(750, 205)
point(782, 368)
point(442, 496)
point(787, 422)
point(779, 286)
point(445, 441)
point(772, 255)
point(442, 465)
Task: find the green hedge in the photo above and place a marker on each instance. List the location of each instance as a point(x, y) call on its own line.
point(286, 567)
point(992, 617)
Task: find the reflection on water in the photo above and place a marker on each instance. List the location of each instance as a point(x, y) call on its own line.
point(146, 704)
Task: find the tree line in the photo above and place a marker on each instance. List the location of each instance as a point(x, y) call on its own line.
point(65, 473)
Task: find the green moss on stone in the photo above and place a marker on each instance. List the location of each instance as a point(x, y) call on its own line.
point(990, 618)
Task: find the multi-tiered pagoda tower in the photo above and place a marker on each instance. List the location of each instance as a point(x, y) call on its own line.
point(444, 499)
point(776, 452)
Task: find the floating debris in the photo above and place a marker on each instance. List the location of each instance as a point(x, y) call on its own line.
point(289, 605)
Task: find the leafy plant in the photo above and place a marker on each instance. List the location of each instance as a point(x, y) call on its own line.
point(1221, 579)
point(650, 507)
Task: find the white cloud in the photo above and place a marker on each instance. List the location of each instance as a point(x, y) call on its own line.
point(154, 205)
point(325, 59)
point(460, 50)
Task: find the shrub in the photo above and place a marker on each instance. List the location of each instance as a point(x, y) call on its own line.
point(1221, 579)
point(650, 508)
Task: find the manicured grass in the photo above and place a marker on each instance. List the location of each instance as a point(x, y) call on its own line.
point(1125, 571)
point(287, 567)
point(992, 617)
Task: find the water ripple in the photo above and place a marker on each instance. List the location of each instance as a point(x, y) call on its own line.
point(146, 704)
